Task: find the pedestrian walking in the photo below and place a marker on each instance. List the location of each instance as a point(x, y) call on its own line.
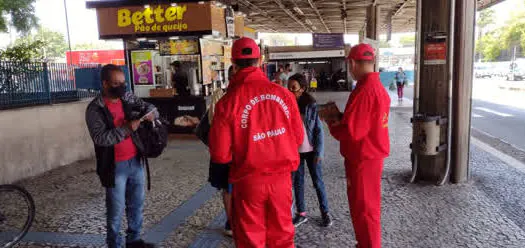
point(257, 128)
point(363, 134)
point(401, 80)
point(311, 152)
point(113, 119)
point(203, 133)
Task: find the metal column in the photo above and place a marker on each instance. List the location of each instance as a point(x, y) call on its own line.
point(465, 20)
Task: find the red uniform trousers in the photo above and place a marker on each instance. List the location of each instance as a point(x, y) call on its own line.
point(364, 197)
point(261, 213)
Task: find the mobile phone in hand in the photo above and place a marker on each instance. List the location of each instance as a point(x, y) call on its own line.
point(143, 118)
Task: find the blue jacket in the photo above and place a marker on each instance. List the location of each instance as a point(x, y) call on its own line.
point(314, 129)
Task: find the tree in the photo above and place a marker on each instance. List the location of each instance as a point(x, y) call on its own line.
point(408, 41)
point(489, 46)
point(25, 51)
point(19, 13)
point(486, 18)
point(53, 43)
point(384, 44)
point(514, 33)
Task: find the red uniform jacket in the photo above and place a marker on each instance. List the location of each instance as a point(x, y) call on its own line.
point(363, 131)
point(257, 127)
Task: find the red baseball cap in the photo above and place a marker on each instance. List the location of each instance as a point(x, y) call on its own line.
point(245, 48)
point(362, 52)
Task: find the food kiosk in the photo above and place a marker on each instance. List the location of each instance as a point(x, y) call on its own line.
point(196, 34)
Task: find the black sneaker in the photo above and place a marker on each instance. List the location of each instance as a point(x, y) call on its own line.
point(327, 220)
point(140, 244)
point(299, 219)
point(228, 230)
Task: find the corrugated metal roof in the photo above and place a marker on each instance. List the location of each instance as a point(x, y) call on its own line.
point(311, 16)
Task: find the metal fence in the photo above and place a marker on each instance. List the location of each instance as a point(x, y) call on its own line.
point(29, 84)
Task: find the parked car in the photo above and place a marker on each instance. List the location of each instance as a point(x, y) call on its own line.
point(484, 73)
point(516, 75)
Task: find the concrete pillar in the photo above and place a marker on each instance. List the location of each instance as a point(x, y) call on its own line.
point(434, 19)
point(373, 14)
point(465, 20)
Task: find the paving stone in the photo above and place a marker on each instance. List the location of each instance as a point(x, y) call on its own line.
point(489, 211)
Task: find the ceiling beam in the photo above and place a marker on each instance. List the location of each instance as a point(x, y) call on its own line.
point(343, 16)
point(398, 10)
point(312, 5)
point(289, 13)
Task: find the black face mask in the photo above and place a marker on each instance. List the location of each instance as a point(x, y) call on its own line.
point(118, 91)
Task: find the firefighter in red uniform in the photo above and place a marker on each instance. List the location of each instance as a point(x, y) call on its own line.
point(257, 126)
point(363, 135)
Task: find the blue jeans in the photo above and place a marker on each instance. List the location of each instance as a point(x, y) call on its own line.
point(127, 194)
point(316, 173)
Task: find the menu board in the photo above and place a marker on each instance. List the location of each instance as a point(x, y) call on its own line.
point(211, 47)
point(142, 67)
point(179, 47)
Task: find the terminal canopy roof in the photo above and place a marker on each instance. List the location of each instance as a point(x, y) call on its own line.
point(311, 16)
point(332, 16)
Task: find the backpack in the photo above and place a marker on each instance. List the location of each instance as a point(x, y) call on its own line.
point(154, 137)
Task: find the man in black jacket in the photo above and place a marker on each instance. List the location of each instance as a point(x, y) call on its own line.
point(112, 119)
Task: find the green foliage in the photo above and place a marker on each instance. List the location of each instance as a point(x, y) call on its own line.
point(19, 13)
point(489, 46)
point(384, 44)
point(486, 18)
point(25, 51)
point(408, 41)
point(53, 43)
point(514, 33)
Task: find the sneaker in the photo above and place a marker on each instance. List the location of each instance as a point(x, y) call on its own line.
point(140, 244)
point(228, 230)
point(327, 220)
point(299, 219)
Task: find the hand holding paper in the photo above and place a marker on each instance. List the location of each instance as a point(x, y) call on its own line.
point(329, 113)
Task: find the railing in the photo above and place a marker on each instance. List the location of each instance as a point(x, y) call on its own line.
point(29, 84)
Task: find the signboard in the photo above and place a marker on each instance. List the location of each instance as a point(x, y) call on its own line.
point(239, 26)
point(179, 47)
point(332, 40)
point(435, 50)
point(96, 57)
point(211, 47)
point(230, 22)
point(162, 19)
point(308, 55)
point(211, 65)
point(217, 19)
point(183, 113)
point(142, 67)
point(249, 32)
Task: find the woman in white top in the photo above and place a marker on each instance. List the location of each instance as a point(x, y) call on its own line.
point(311, 152)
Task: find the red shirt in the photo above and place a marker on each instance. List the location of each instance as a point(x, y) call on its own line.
point(363, 131)
point(124, 150)
point(257, 127)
